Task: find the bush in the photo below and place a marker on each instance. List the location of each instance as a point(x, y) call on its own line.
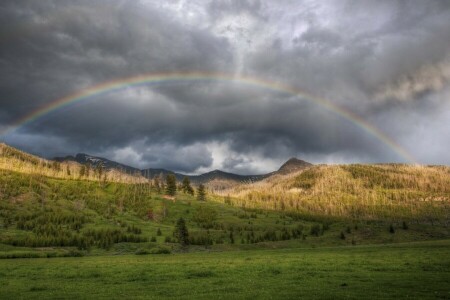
point(405, 225)
point(316, 230)
point(160, 250)
point(391, 229)
point(142, 252)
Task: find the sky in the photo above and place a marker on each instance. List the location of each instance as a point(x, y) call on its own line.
point(388, 62)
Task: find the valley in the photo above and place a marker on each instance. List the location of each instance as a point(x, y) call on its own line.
point(93, 225)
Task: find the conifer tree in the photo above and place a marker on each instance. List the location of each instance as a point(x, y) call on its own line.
point(171, 185)
point(181, 232)
point(186, 186)
point(201, 193)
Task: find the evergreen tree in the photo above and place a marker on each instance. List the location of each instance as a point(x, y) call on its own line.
point(201, 193)
point(171, 185)
point(186, 186)
point(181, 232)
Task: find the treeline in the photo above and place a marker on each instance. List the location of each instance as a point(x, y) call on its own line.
point(248, 235)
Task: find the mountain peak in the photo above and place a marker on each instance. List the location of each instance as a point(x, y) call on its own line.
point(293, 164)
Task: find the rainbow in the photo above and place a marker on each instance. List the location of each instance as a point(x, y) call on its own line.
point(159, 78)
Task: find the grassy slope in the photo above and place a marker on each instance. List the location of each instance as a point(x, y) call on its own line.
point(387, 192)
point(401, 271)
point(111, 205)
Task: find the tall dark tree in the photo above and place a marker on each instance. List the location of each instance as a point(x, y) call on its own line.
point(201, 193)
point(181, 232)
point(186, 186)
point(171, 185)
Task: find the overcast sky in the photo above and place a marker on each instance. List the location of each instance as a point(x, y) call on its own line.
point(386, 61)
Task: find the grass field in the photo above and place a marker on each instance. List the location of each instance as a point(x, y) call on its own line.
point(402, 271)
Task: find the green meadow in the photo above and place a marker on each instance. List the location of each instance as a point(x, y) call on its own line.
point(401, 271)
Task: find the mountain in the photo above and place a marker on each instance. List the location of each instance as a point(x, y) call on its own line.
point(293, 165)
point(82, 158)
point(218, 178)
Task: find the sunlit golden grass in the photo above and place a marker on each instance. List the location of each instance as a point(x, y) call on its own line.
point(354, 191)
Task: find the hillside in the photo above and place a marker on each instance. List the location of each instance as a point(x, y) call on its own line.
point(389, 191)
point(60, 207)
point(16, 160)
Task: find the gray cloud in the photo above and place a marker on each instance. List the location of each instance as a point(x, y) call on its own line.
point(363, 56)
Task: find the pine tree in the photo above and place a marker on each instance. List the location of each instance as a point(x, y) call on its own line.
point(201, 193)
point(186, 186)
point(181, 232)
point(171, 185)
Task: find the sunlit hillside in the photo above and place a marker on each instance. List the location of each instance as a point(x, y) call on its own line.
point(13, 159)
point(388, 191)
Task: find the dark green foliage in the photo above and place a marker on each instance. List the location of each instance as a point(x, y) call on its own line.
point(201, 238)
point(160, 250)
point(158, 232)
point(205, 216)
point(405, 225)
point(186, 186)
point(316, 230)
point(181, 232)
point(153, 239)
point(134, 229)
point(391, 229)
point(105, 238)
point(231, 237)
point(142, 252)
point(171, 185)
point(201, 193)
point(342, 236)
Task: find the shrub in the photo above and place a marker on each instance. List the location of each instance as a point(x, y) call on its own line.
point(160, 250)
point(142, 252)
point(405, 225)
point(391, 228)
point(316, 230)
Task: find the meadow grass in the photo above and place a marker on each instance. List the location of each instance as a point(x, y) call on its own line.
point(402, 271)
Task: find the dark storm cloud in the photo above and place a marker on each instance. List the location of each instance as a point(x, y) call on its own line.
point(387, 61)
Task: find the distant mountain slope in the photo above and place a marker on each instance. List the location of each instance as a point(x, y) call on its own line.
point(82, 158)
point(216, 177)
